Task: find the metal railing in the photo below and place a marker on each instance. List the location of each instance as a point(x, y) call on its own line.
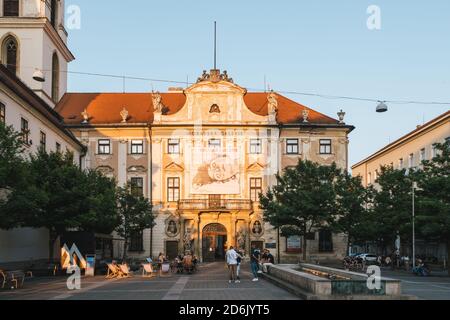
point(222, 204)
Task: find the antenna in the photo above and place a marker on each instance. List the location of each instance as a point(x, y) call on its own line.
point(215, 45)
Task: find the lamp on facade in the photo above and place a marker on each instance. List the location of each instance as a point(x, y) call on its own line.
point(38, 75)
point(382, 107)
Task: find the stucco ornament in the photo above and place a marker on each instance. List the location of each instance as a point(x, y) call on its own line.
point(124, 115)
point(305, 114)
point(273, 103)
point(85, 116)
point(158, 106)
point(241, 238)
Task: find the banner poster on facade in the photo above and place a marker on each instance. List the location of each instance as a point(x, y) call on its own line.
point(293, 244)
point(215, 172)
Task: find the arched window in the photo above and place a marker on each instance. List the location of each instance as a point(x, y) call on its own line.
point(11, 8)
point(55, 77)
point(10, 54)
point(54, 13)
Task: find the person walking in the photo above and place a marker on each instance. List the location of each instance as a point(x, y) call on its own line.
point(254, 261)
point(231, 257)
point(240, 256)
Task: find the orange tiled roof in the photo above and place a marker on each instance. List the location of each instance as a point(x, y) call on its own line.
point(105, 108)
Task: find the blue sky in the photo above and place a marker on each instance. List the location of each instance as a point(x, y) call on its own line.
point(307, 46)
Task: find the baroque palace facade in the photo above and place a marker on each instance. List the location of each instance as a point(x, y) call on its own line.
point(202, 155)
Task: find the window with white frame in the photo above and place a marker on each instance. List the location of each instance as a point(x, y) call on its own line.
point(25, 131)
point(137, 186)
point(43, 141)
point(325, 146)
point(173, 189)
point(411, 160)
point(255, 188)
point(434, 151)
point(104, 146)
point(292, 146)
point(423, 155)
point(255, 146)
point(173, 146)
point(137, 146)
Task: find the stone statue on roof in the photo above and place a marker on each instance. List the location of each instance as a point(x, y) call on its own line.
point(158, 106)
point(272, 103)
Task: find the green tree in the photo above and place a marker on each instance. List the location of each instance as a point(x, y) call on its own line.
point(392, 206)
point(11, 160)
point(433, 197)
point(352, 215)
point(135, 212)
point(99, 207)
point(302, 201)
point(13, 173)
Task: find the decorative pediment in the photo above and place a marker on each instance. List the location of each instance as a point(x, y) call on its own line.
point(137, 169)
point(105, 170)
point(174, 167)
point(256, 166)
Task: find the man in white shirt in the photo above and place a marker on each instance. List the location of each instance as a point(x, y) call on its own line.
point(231, 257)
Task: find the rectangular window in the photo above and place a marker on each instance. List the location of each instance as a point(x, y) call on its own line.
point(411, 160)
point(43, 141)
point(137, 147)
point(137, 187)
point(255, 188)
point(214, 144)
point(173, 146)
point(136, 242)
point(214, 201)
point(400, 163)
point(58, 147)
point(325, 146)
point(255, 146)
point(2, 113)
point(11, 8)
point(104, 146)
point(25, 131)
point(434, 151)
point(292, 146)
point(423, 155)
point(325, 241)
point(173, 189)
point(369, 178)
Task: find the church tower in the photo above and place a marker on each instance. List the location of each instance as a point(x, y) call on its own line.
point(33, 42)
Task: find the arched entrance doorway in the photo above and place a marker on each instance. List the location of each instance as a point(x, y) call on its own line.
point(214, 239)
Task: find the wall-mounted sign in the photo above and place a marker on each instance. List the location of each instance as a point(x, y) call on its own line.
point(271, 245)
point(294, 244)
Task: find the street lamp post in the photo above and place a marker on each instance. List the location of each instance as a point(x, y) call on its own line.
point(414, 187)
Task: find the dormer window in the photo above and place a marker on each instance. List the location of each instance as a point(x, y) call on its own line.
point(11, 8)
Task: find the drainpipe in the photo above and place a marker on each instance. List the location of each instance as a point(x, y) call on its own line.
point(150, 153)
